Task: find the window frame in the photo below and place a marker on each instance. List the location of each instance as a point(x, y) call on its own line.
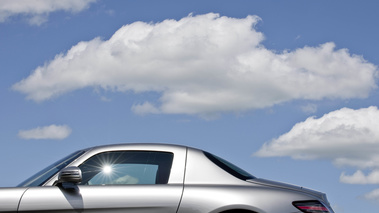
point(163, 170)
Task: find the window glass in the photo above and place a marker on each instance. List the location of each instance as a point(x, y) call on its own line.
point(229, 167)
point(127, 167)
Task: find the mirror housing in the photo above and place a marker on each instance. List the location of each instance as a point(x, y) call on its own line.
point(71, 174)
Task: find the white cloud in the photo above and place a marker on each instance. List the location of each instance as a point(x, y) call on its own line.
point(37, 11)
point(55, 132)
point(360, 178)
point(348, 137)
point(145, 108)
point(374, 195)
point(203, 65)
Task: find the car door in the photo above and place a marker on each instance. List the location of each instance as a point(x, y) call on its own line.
point(114, 181)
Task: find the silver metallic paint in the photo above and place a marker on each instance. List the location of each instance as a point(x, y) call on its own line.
point(195, 185)
point(10, 198)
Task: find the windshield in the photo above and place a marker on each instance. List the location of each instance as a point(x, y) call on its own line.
point(44, 175)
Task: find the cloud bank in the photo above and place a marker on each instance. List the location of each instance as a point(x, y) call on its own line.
point(37, 11)
point(347, 137)
point(53, 132)
point(202, 65)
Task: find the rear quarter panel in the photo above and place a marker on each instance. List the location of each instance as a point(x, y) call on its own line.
point(208, 188)
point(218, 198)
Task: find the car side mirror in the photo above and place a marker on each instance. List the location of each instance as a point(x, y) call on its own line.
point(71, 174)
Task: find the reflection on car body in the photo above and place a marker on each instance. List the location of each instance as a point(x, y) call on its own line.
point(164, 178)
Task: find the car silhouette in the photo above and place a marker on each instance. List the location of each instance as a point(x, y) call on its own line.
point(159, 178)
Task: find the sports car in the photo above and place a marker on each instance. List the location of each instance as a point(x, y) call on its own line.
point(156, 178)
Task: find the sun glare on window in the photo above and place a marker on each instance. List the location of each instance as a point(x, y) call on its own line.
point(107, 169)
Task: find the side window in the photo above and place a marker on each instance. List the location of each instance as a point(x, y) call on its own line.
point(127, 167)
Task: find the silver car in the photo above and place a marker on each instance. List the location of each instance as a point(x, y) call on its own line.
point(156, 178)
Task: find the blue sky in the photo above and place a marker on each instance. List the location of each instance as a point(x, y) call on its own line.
point(285, 89)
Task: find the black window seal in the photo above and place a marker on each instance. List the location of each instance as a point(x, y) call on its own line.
point(227, 168)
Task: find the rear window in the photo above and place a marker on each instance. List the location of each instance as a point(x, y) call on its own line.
point(229, 167)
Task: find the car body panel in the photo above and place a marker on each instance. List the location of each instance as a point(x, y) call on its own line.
point(276, 184)
point(10, 198)
point(212, 189)
point(200, 170)
point(195, 184)
point(133, 199)
point(218, 198)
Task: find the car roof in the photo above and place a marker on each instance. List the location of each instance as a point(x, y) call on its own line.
point(120, 146)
